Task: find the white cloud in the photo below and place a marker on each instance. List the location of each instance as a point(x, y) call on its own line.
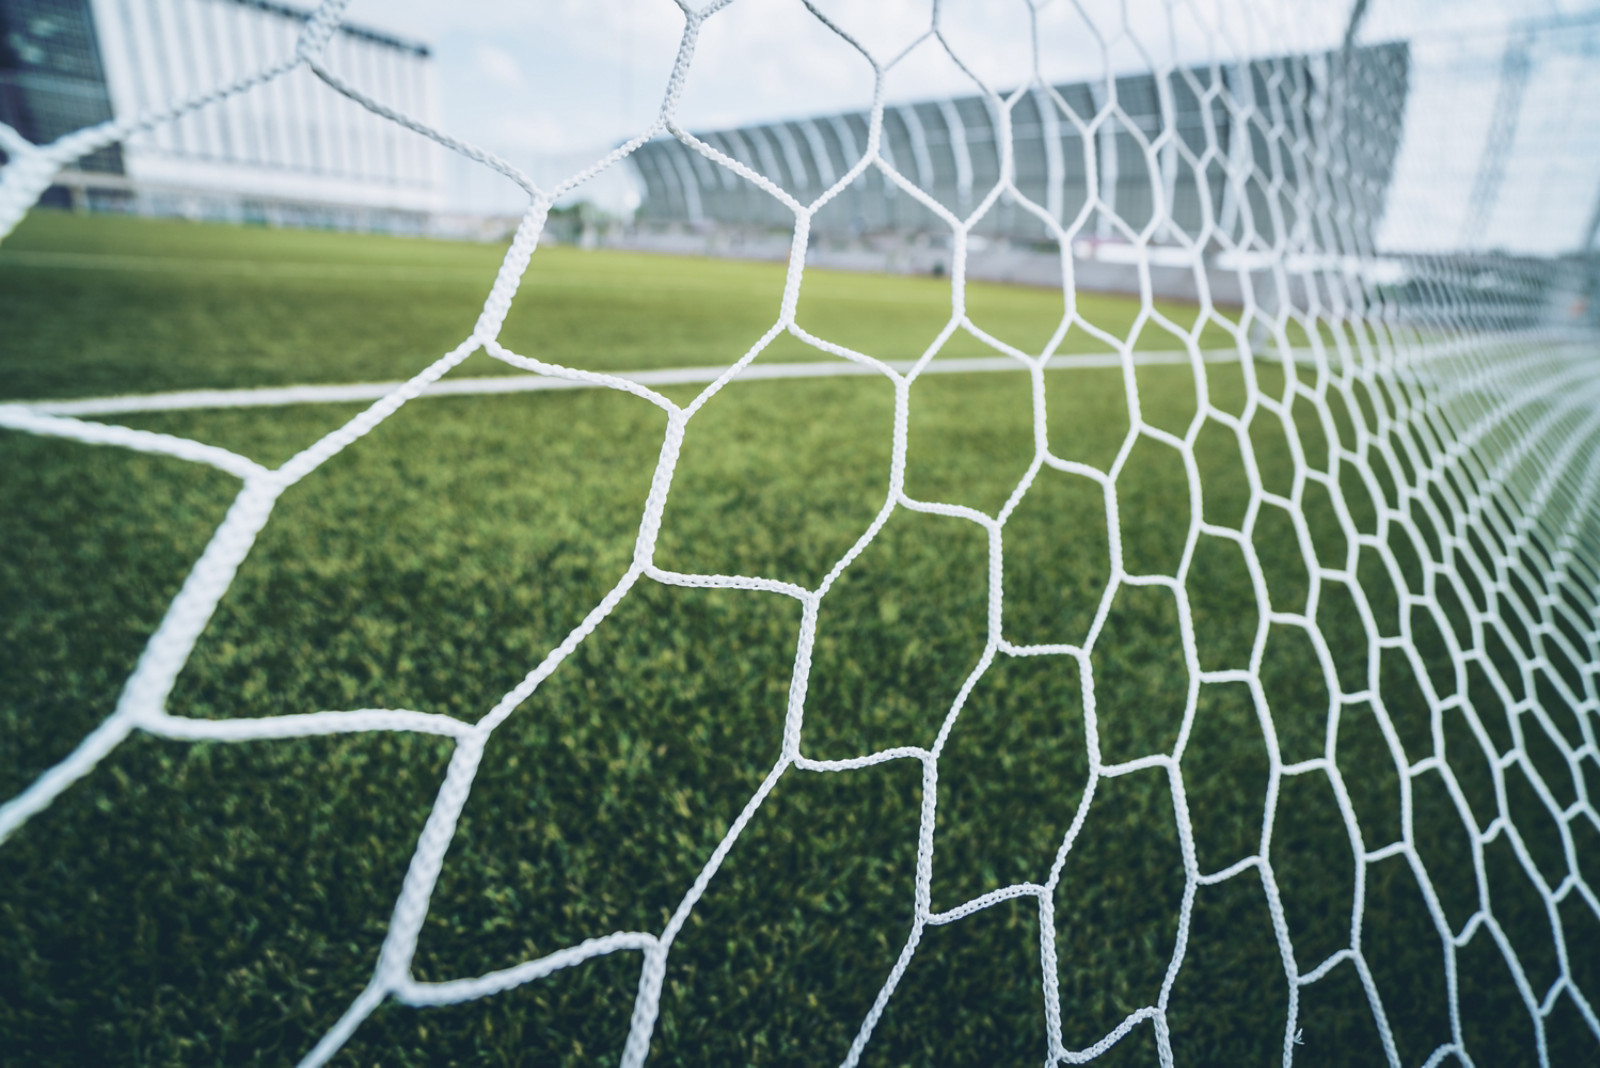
point(498, 67)
point(531, 133)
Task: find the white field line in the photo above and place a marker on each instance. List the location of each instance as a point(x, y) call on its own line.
point(457, 387)
point(359, 272)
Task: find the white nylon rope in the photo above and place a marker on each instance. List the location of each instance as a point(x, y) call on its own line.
point(1470, 407)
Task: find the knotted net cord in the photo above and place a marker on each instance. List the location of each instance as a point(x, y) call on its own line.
point(1476, 432)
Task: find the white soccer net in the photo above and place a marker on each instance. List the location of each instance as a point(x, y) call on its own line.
point(1454, 395)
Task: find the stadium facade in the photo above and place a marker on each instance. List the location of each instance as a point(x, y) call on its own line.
point(290, 152)
point(952, 150)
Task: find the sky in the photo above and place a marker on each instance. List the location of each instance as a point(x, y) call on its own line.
point(552, 84)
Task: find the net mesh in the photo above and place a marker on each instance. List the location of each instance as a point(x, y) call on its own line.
point(1459, 422)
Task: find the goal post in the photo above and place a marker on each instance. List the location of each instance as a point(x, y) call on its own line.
point(1297, 603)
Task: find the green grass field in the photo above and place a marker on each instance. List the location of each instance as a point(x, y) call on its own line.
point(223, 904)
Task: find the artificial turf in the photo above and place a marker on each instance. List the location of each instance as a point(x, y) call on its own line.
point(212, 903)
point(143, 306)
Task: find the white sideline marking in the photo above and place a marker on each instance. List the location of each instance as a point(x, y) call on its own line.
point(673, 376)
point(104, 261)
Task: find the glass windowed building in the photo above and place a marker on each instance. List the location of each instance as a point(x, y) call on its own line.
point(291, 151)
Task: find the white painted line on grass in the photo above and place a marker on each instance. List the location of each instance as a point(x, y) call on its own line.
point(264, 268)
point(364, 392)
